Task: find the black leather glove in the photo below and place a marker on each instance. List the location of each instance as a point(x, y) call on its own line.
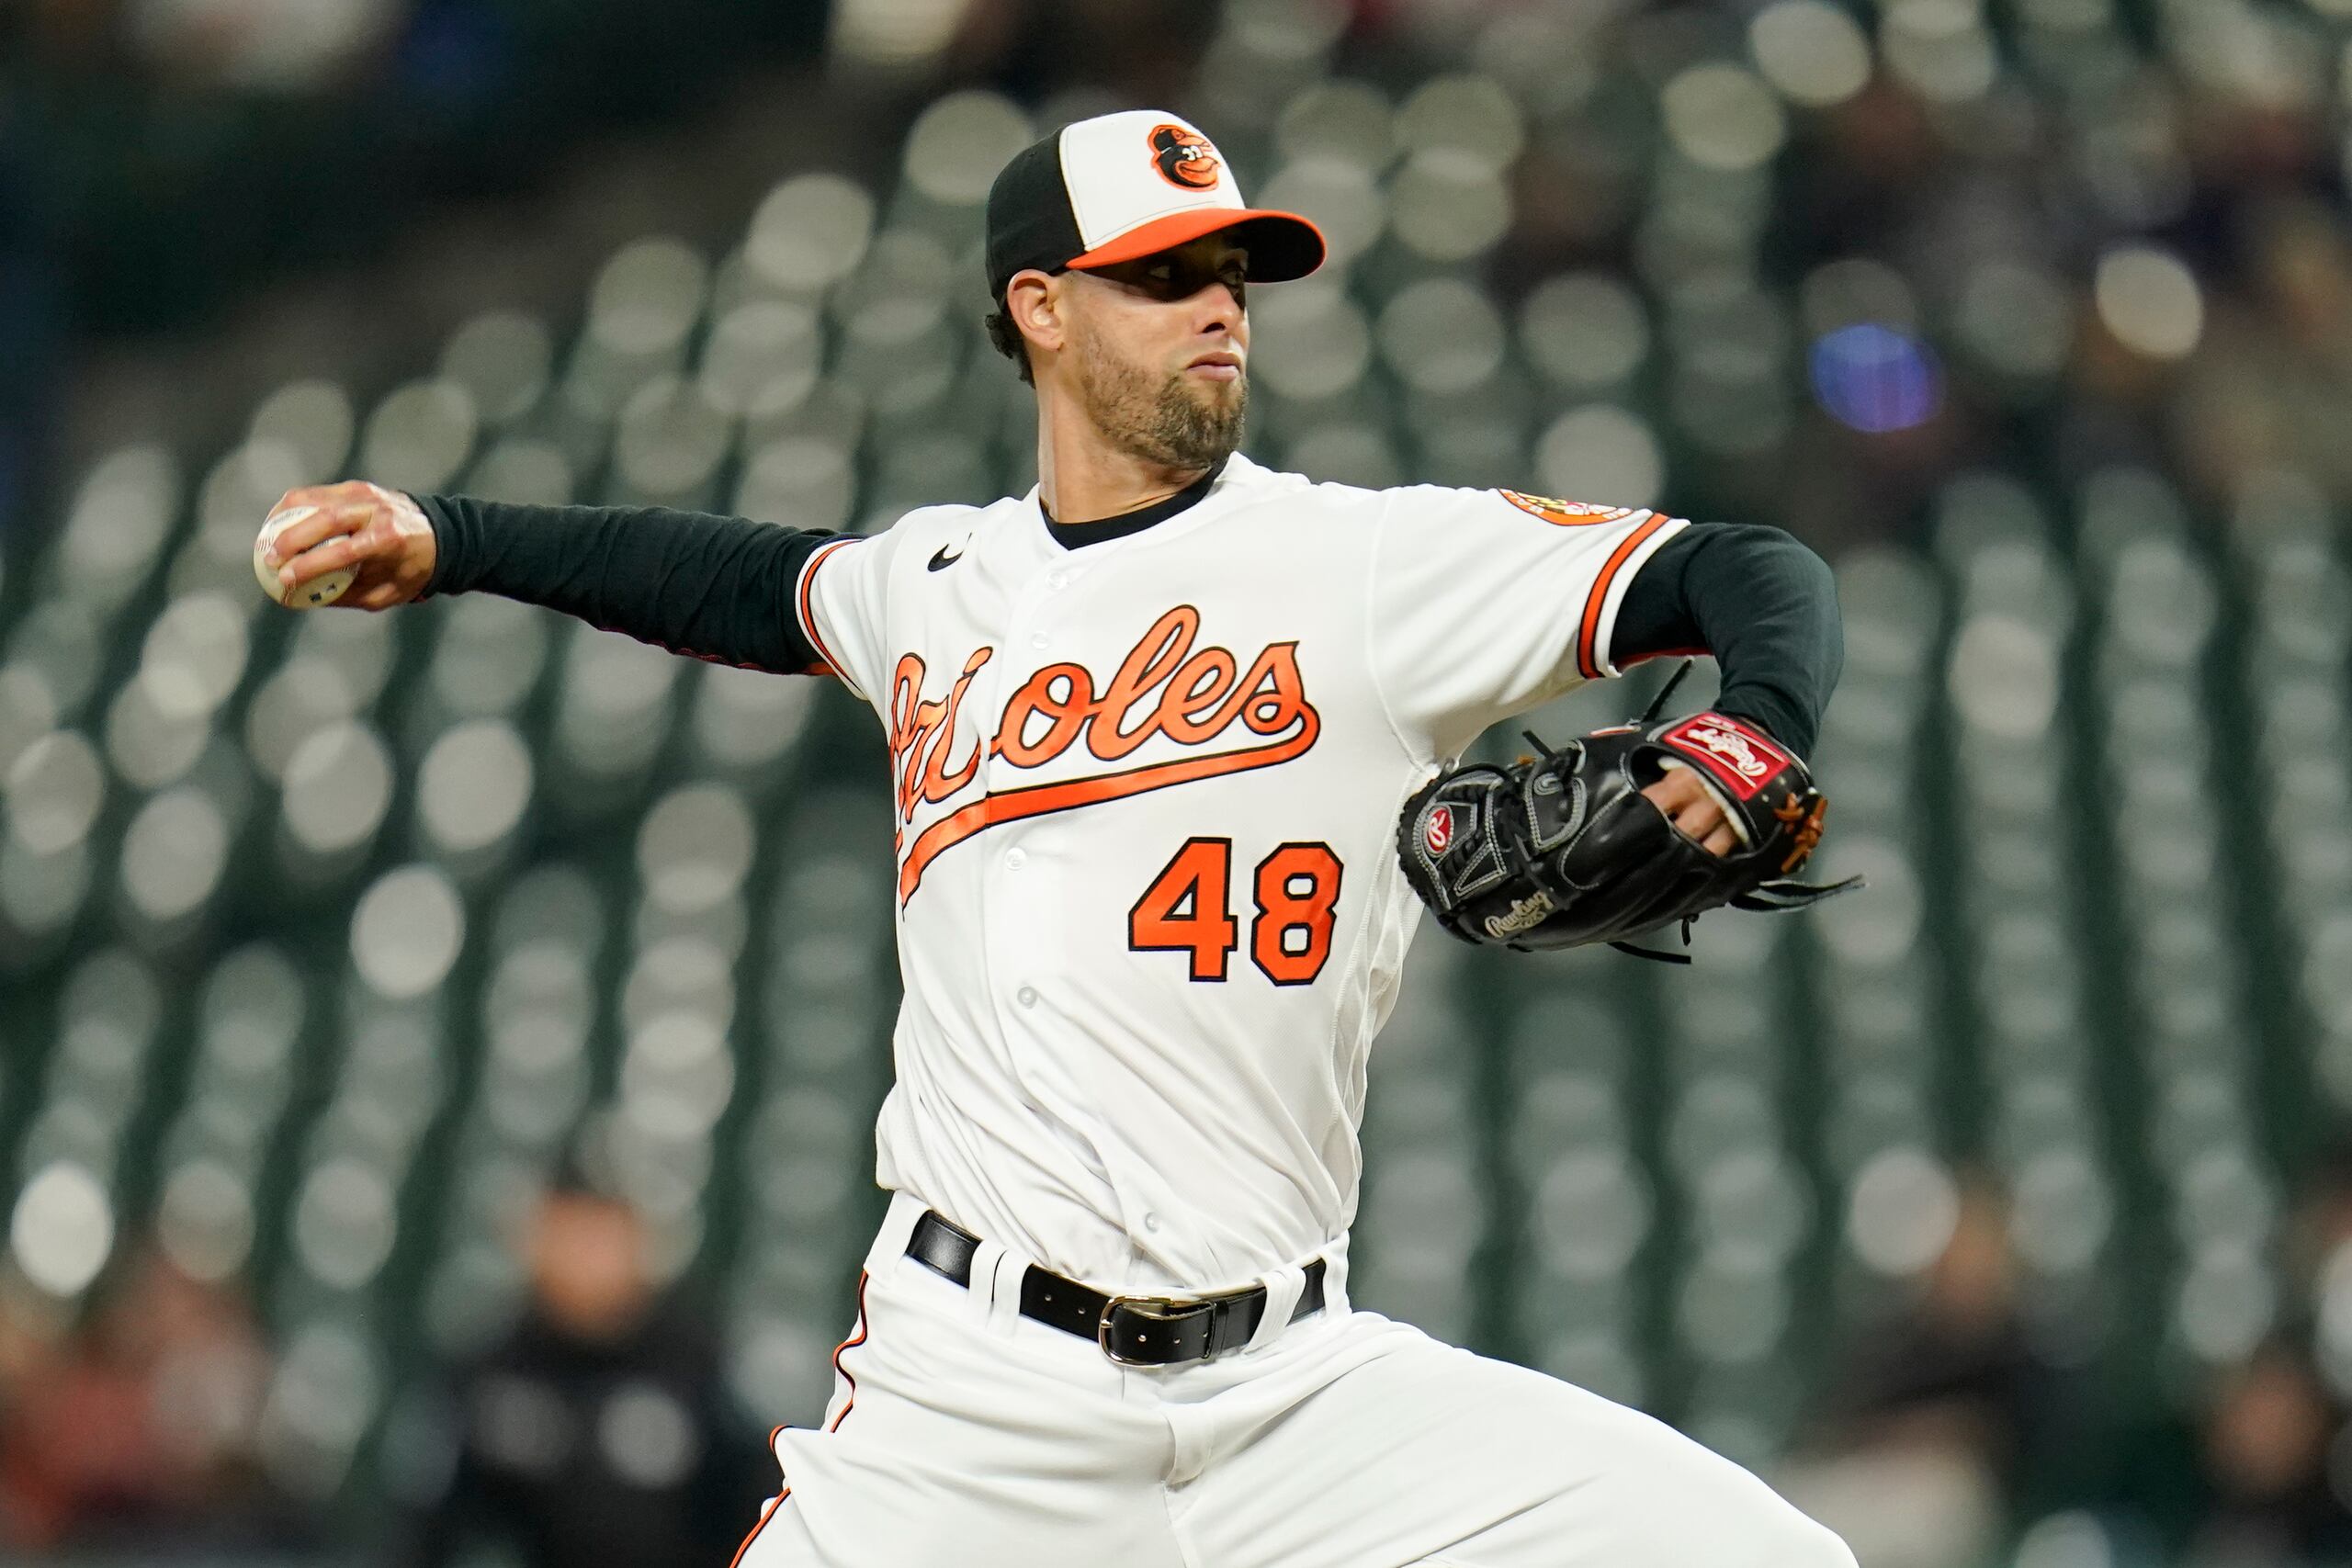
point(1562, 848)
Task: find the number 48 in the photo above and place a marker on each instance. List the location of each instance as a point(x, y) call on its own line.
point(1189, 909)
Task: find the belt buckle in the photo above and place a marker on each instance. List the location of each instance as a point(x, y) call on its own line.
point(1157, 1309)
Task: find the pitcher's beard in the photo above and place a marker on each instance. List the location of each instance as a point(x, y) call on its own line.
point(1175, 423)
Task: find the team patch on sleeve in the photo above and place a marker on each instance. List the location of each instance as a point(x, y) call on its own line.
point(1566, 513)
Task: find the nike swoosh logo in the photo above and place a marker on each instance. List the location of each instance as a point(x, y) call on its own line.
point(942, 561)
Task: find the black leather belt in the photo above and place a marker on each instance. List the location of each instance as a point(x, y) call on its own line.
point(1136, 1331)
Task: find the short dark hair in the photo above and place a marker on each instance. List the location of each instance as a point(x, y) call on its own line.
point(1009, 342)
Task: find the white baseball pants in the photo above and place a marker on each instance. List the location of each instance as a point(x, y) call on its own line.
point(962, 1433)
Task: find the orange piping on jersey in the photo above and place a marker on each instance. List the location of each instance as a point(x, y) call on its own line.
point(851, 1342)
point(1589, 635)
point(1036, 800)
point(808, 621)
point(767, 1512)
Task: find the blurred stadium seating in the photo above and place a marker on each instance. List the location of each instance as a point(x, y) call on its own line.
point(319, 934)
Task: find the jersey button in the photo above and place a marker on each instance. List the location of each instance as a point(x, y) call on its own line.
point(1026, 995)
point(1151, 1222)
point(1038, 639)
point(1015, 859)
point(1058, 581)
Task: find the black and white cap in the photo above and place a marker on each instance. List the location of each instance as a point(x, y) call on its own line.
point(1121, 186)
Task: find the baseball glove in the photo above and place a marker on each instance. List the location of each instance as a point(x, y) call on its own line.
point(1562, 848)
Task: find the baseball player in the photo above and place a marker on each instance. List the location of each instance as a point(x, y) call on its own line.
point(1153, 728)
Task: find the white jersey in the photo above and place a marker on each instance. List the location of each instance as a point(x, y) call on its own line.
point(1146, 791)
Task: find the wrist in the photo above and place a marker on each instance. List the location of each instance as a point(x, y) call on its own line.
point(1771, 715)
point(435, 550)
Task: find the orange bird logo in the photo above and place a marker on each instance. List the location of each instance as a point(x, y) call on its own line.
point(1183, 157)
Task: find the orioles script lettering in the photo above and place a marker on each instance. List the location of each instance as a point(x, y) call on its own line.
point(1165, 688)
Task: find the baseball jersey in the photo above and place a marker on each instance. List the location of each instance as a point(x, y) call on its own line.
point(1145, 790)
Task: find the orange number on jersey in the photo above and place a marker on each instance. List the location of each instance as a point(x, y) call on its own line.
point(1298, 889)
point(1187, 909)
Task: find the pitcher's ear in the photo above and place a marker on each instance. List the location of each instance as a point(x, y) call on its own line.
point(1034, 301)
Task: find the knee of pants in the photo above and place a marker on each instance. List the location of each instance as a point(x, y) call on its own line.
point(781, 1539)
point(1799, 1542)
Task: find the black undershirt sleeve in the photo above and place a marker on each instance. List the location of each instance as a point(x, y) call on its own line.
point(1762, 603)
point(716, 588)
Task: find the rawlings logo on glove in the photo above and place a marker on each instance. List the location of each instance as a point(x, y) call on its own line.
point(1439, 834)
point(1564, 849)
point(1729, 750)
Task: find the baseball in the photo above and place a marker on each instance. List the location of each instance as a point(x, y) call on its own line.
point(312, 596)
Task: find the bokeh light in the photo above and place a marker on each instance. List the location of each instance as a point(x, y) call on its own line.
point(1873, 379)
point(1811, 51)
point(2150, 301)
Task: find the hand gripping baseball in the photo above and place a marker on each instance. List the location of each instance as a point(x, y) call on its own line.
point(378, 535)
point(1564, 848)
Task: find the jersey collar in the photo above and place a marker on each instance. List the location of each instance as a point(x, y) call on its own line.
point(1072, 536)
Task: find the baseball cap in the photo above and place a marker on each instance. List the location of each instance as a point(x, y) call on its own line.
point(1121, 186)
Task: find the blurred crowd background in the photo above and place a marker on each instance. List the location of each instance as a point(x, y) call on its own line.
point(437, 1051)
